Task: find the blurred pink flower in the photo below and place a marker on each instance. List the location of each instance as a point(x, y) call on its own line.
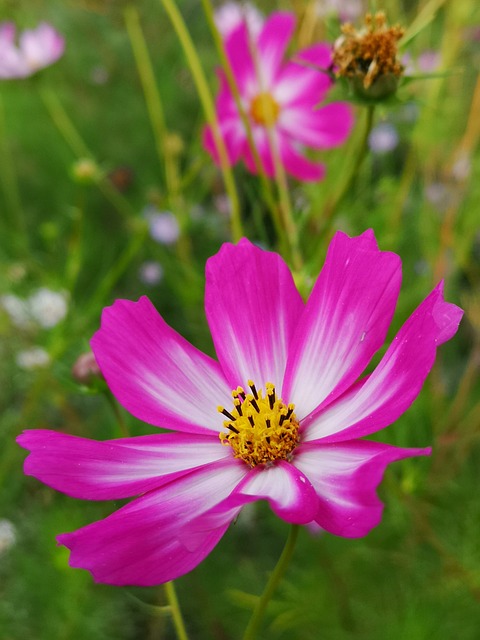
point(37, 48)
point(308, 459)
point(280, 99)
point(232, 14)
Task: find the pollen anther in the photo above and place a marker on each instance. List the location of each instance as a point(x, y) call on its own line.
point(261, 427)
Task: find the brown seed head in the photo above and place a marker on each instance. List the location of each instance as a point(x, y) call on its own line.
point(370, 54)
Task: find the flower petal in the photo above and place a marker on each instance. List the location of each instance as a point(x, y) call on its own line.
point(238, 52)
point(289, 492)
point(272, 43)
point(115, 469)
point(252, 308)
point(345, 477)
point(319, 55)
point(155, 373)
point(380, 399)
point(298, 85)
point(321, 128)
point(345, 321)
point(300, 167)
point(141, 543)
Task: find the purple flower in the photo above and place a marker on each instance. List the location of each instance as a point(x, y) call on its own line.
point(37, 48)
point(383, 138)
point(290, 432)
point(280, 99)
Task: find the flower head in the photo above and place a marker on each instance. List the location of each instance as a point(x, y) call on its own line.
point(280, 100)
point(37, 48)
point(280, 416)
point(368, 58)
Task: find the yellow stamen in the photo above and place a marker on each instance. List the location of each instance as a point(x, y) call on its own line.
point(260, 429)
point(264, 109)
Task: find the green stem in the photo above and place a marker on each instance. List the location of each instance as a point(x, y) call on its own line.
point(348, 183)
point(232, 85)
point(282, 564)
point(74, 140)
point(175, 611)
point(10, 185)
point(117, 412)
point(153, 99)
point(209, 110)
point(161, 134)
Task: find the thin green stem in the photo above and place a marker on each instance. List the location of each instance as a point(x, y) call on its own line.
point(277, 574)
point(232, 85)
point(175, 611)
point(80, 149)
point(209, 110)
point(161, 134)
point(107, 283)
point(117, 412)
point(153, 99)
point(10, 186)
point(349, 181)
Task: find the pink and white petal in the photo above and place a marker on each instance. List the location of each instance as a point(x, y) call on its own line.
point(345, 477)
point(141, 543)
point(290, 494)
point(320, 55)
point(381, 398)
point(262, 145)
point(237, 47)
point(345, 321)
point(41, 46)
point(155, 373)
point(252, 308)
point(272, 44)
point(299, 166)
point(233, 136)
point(322, 128)
point(300, 86)
point(115, 469)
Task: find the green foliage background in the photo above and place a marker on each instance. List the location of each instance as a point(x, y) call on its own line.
point(417, 575)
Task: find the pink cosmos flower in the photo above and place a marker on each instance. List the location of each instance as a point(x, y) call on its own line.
point(232, 14)
point(289, 433)
point(37, 48)
point(280, 99)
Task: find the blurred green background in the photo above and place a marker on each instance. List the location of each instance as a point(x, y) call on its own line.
point(85, 237)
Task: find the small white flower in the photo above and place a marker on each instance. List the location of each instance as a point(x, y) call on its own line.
point(8, 535)
point(34, 358)
point(383, 138)
point(163, 225)
point(17, 310)
point(48, 307)
point(150, 272)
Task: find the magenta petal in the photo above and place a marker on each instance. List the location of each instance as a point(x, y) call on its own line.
point(272, 43)
point(252, 308)
point(115, 469)
point(300, 167)
point(154, 373)
point(393, 386)
point(345, 477)
point(141, 543)
point(300, 86)
point(319, 128)
point(238, 52)
point(345, 321)
point(319, 55)
point(288, 491)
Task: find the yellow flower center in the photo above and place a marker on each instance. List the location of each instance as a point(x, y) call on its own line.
point(260, 429)
point(264, 109)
